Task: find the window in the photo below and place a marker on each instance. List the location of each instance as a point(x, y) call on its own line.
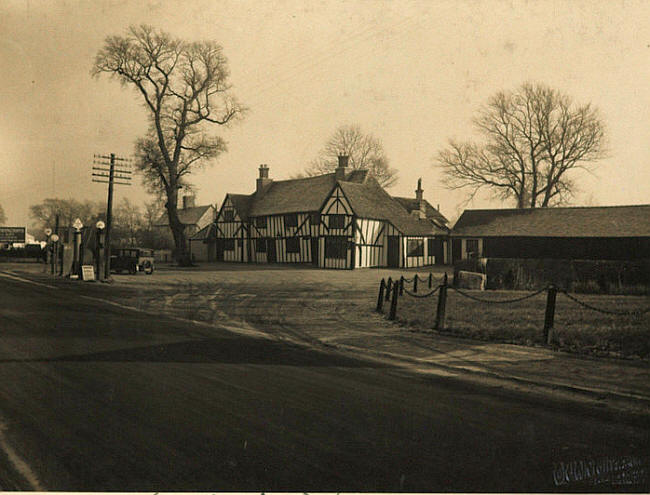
point(229, 245)
point(336, 247)
point(431, 246)
point(260, 222)
point(336, 221)
point(415, 247)
point(293, 245)
point(471, 247)
point(315, 218)
point(260, 245)
point(291, 220)
point(228, 215)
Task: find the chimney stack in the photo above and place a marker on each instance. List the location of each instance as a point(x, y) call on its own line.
point(422, 209)
point(342, 169)
point(188, 201)
point(263, 182)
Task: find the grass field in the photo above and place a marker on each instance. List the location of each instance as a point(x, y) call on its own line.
point(576, 329)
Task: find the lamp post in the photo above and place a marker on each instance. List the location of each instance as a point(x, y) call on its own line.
point(76, 267)
point(48, 249)
point(98, 249)
point(55, 251)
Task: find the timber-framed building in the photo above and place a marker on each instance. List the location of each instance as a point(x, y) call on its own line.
point(342, 220)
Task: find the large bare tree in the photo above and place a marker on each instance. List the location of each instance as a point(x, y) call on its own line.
point(534, 139)
point(185, 88)
point(364, 151)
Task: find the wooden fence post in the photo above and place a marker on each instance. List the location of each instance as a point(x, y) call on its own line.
point(380, 299)
point(401, 285)
point(430, 280)
point(549, 317)
point(393, 303)
point(415, 282)
point(389, 287)
point(442, 305)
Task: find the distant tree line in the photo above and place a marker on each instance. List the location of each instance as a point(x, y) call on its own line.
point(131, 225)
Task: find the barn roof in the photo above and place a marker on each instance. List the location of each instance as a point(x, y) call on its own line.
point(370, 200)
point(187, 216)
point(412, 204)
point(599, 221)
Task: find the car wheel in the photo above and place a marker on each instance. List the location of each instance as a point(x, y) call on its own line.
point(148, 267)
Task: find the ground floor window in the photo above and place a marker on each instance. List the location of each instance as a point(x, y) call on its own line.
point(229, 245)
point(336, 247)
point(293, 245)
point(260, 245)
point(415, 247)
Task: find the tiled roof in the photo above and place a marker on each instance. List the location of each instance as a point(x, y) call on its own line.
point(207, 232)
point(294, 195)
point(370, 200)
point(242, 204)
point(187, 216)
point(599, 221)
point(412, 204)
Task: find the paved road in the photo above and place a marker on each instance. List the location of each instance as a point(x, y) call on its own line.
point(95, 397)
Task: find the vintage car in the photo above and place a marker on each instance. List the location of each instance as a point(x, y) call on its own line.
point(132, 260)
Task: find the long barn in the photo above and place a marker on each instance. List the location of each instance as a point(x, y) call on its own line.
point(597, 233)
point(341, 220)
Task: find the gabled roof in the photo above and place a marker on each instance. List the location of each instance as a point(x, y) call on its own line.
point(294, 195)
point(367, 198)
point(207, 232)
point(242, 204)
point(599, 221)
point(370, 200)
point(412, 204)
point(187, 216)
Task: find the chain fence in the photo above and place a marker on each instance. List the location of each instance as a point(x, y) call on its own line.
point(393, 290)
point(634, 313)
point(499, 301)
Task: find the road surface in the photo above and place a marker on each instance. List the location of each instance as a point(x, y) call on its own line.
point(98, 397)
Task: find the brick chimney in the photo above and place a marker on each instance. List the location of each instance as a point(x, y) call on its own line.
point(342, 169)
point(189, 201)
point(263, 181)
point(421, 212)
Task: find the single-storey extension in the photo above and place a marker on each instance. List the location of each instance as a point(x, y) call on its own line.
point(601, 232)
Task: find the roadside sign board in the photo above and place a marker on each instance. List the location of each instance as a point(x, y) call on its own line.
point(87, 272)
point(12, 234)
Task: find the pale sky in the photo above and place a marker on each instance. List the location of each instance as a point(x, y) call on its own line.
point(413, 73)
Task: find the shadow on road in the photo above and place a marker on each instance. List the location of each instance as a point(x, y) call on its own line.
point(224, 350)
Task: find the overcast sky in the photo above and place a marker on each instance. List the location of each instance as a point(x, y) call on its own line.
point(411, 73)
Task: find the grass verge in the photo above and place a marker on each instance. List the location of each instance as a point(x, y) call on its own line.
point(577, 329)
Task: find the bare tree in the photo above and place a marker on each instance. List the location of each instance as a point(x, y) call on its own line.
point(534, 139)
point(128, 223)
point(44, 214)
point(3, 217)
point(364, 151)
point(185, 89)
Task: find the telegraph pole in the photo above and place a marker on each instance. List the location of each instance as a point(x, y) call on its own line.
point(123, 174)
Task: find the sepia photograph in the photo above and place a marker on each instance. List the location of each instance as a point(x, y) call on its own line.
point(325, 246)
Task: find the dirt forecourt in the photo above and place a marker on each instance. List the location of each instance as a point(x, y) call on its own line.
point(336, 309)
